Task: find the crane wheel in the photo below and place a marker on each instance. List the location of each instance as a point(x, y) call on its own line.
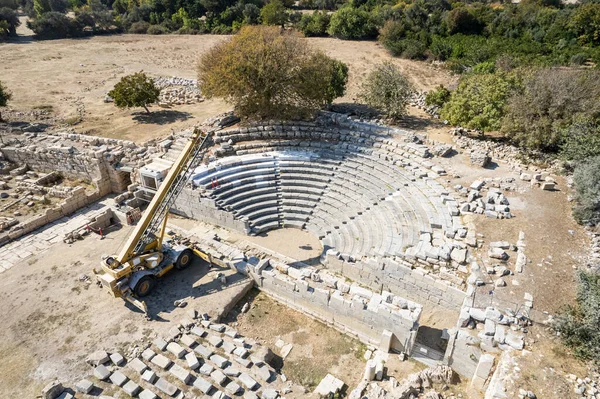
point(144, 286)
point(185, 259)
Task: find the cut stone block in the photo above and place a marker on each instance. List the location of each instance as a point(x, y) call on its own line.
point(199, 331)
point(101, 372)
point(248, 381)
point(161, 361)
point(233, 388)
point(180, 373)
point(219, 360)
point(250, 395)
point(203, 385)
point(118, 378)
point(137, 365)
point(244, 362)
point(217, 327)
point(228, 347)
point(188, 340)
point(203, 351)
point(117, 359)
point(166, 387)
point(149, 376)
point(176, 349)
point(241, 352)
point(206, 369)
point(218, 377)
point(65, 395)
point(215, 341)
point(231, 371)
point(482, 372)
point(131, 388)
point(264, 373)
point(231, 333)
point(160, 343)
point(147, 394)
point(192, 361)
point(84, 386)
point(270, 394)
point(148, 354)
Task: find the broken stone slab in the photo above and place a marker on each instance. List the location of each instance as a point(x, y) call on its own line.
point(516, 341)
point(84, 386)
point(131, 388)
point(329, 386)
point(54, 388)
point(285, 350)
point(215, 341)
point(137, 365)
point(477, 314)
point(166, 387)
point(500, 244)
point(459, 255)
point(97, 358)
point(240, 352)
point(483, 370)
point(520, 262)
point(477, 185)
point(497, 253)
point(489, 327)
point(217, 327)
point(101, 372)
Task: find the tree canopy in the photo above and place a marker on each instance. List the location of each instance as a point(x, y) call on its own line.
point(5, 96)
point(269, 73)
point(387, 90)
point(137, 90)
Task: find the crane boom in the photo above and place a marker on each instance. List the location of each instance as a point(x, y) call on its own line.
point(150, 223)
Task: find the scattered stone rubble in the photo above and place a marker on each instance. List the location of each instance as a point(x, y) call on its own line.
point(494, 205)
point(417, 100)
point(177, 91)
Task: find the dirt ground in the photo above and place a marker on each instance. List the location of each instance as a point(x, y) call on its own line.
point(52, 320)
point(69, 78)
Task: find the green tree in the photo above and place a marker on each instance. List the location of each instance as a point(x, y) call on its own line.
point(479, 101)
point(41, 7)
point(137, 90)
point(462, 20)
point(268, 73)
point(314, 24)
point(5, 96)
point(11, 20)
point(587, 192)
point(551, 100)
point(54, 25)
point(438, 96)
point(585, 23)
point(352, 23)
point(387, 90)
point(581, 140)
point(274, 13)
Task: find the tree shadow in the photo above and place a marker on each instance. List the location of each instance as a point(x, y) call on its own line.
point(355, 109)
point(412, 122)
point(162, 117)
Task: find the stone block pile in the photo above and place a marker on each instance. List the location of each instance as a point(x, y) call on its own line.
point(197, 357)
point(177, 91)
point(484, 199)
point(542, 180)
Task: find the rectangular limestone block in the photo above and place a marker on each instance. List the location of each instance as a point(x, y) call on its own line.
point(180, 373)
point(161, 361)
point(166, 387)
point(176, 349)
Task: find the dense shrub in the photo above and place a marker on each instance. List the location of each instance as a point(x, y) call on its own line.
point(587, 191)
point(392, 35)
point(156, 30)
point(352, 23)
point(5, 96)
point(137, 90)
point(12, 4)
point(479, 101)
point(269, 73)
point(9, 16)
point(578, 325)
point(462, 20)
point(387, 90)
point(440, 49)
point(54, 25)
point(274, 13)
point(140, 27)
point(438, 96)
point(314, 24)
point(414, 49)
point(581, 140)
point(552, 99)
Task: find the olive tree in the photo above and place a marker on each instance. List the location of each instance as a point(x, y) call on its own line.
point(269, 73)
point(137, 90)
point(5, 96)
point(387, 90)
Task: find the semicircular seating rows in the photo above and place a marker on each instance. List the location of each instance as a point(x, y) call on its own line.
point(359, 198)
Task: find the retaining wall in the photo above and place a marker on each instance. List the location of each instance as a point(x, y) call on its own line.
point(398, 278)
point(189, 204)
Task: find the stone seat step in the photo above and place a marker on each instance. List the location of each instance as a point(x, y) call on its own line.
point(239, 200)
point(252, 207)
point(233, 172)
point(308, 171)
point(299, 182)
point(273, 217)
point(298, 203)
point(286, 176)
point(293, 223)
point(266, 226)
point(290, 216)
point(302, 190)
point(271, 211)
point(243, 184)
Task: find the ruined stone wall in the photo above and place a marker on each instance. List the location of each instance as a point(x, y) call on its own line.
point(399, 279)
point(189, 204)
point(352, 314)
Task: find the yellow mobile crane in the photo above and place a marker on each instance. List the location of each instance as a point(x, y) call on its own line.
point(146, 256)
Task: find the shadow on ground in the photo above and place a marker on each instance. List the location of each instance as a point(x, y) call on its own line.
point(162, 117)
